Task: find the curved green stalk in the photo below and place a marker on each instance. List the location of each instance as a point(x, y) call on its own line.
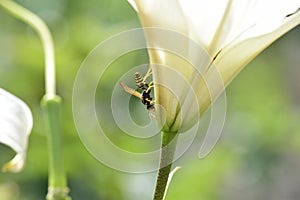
point(41, 28)
point(51, 103)
point(166, 158)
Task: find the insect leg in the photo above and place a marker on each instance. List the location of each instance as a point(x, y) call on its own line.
point(150, 86)
point(147, 74)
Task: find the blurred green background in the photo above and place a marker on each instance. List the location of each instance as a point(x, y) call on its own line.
point(257, 157)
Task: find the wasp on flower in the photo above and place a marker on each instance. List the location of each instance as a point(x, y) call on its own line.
point(145, 88)
point(195, 49)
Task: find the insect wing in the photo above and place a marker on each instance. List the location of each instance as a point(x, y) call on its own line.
point(131, 91)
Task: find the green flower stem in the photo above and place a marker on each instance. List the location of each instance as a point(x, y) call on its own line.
point(166, 158)
point(51, 104)
point(41, 28)
point(57, 186)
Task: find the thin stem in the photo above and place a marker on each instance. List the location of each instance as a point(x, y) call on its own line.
point(41, 28)
point(57, 186)
point(51, 104)
point(169, 141)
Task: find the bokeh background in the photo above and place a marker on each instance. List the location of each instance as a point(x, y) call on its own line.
point(257, 157)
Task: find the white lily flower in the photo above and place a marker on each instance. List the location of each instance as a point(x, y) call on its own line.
point(16, 124)
point(230, 33)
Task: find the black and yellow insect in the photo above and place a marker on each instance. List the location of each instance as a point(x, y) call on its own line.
point(145, 88)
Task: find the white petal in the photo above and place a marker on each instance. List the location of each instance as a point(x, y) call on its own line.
point(16, 124)
point(164, 14)
point(133, 4)
point(216, 23)
point(233, 58)
point(272, 19)
point(205, 18)
point(232, 32)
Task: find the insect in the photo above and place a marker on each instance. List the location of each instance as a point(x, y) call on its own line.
point(146, 90)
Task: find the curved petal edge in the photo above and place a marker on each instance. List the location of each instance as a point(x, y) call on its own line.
point(16, 124)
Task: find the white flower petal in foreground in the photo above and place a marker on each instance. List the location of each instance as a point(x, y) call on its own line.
point(229, 33)
point(16, 124)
